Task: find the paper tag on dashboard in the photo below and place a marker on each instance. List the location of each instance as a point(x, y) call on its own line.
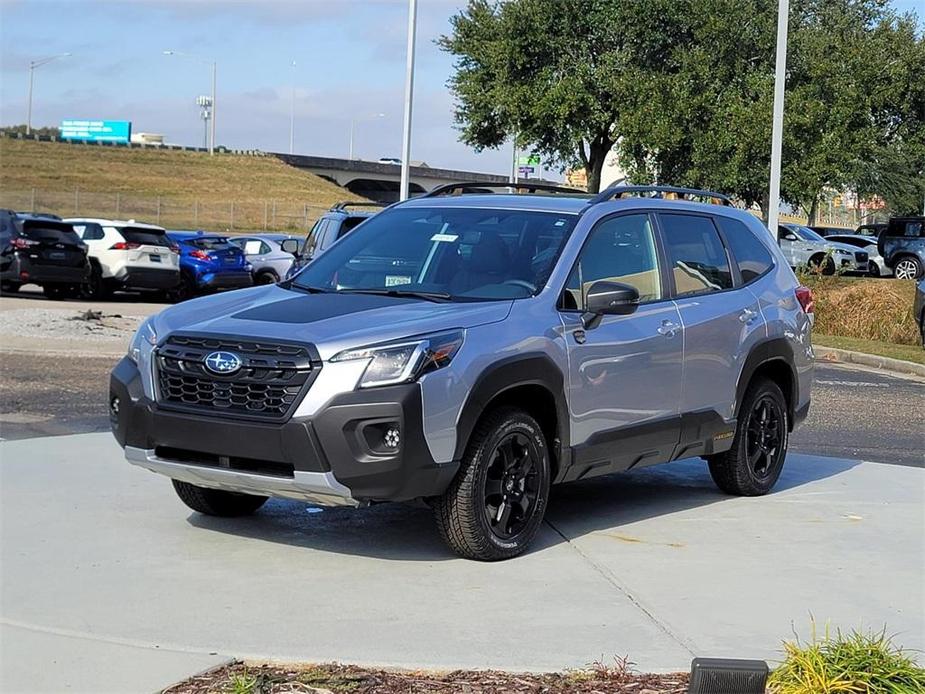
point(396, 280)
point(445, 238)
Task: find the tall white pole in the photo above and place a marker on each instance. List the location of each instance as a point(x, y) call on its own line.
point(292, 111)
point(212, 135)
point(29, 114)
point(514, 160)
point(353, 124)
point(409, 98)
point(777, 125)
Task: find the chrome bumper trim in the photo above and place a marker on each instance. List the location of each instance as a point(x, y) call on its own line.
point(315, 487)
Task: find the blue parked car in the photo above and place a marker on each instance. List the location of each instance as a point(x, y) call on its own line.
point(208, 262)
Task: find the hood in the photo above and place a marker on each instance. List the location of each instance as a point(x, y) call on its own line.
point(843, 247)
point(332, 322)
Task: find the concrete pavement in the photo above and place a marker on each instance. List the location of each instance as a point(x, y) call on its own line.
point(108, 579)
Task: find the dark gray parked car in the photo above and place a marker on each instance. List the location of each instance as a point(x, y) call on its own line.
point(902, 245)
point(334, 224)
point(271, 255)
point(473, 350)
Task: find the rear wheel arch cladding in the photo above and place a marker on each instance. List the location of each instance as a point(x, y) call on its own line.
point(503, 383)
point(772, 359)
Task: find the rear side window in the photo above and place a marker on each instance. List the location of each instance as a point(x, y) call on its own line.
point(909, 228)
point(696, 255)
point(750, 254)
point(144, 237)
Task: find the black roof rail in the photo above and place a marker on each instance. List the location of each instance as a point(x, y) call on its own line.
point(476, 187)
point(348, 203)
point(616, 192)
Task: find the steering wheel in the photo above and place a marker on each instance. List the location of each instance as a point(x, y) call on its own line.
point(522, 283)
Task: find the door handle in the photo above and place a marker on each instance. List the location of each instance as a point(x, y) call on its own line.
point(668, 328)
point(748, 316)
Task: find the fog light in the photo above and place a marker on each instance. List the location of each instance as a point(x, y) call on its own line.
point(721, 675)
point(114, 405)
point(392, 437)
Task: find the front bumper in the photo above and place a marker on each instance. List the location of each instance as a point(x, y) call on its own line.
point(331, 458)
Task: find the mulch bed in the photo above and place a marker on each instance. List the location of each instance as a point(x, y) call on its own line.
point(242, 678)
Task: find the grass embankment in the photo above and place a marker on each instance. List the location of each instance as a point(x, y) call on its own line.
point(866, 315)
point(181, 189)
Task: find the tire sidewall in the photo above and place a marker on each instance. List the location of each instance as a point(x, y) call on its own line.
point(526, 425)
point(762, 485)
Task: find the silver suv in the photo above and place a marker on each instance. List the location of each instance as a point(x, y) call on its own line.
point(473, 349)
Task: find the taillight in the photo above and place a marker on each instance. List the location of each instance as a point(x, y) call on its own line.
point(124, 246)
point(805, 297)
point(174, 249)
point(201, 255)
point(22, 244)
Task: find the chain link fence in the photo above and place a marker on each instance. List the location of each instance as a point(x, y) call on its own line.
point(169, 212)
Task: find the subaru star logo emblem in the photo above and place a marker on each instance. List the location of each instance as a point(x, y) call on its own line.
point(223, 362)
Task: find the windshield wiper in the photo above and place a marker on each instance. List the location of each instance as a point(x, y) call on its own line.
point(301, 287)
point(437, 297)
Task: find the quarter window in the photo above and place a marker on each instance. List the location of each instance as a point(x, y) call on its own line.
point(752, 257)
point(619, 249)
point(696, 255)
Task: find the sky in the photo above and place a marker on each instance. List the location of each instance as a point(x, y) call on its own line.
point(349, 60)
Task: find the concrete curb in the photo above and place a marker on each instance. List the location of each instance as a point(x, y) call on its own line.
point(833, 354)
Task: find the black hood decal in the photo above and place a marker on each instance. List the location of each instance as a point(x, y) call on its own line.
point(317, 307)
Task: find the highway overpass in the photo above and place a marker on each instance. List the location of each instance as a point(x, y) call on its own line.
point(381, 181)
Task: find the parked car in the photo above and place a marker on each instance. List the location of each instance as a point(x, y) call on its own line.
point(270, 255)
point(44, 215)
point(872, 229)
point(826, 231)
point(127, 255)
point(902, 244)
point(803, 247)
point(918, 309)
point(876, 265)
point(331, 226)
point(472, 350)
point(41, 251)
point(208, 262)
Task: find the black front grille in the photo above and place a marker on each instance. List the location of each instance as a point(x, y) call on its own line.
point(860, 256)
point(271, 381)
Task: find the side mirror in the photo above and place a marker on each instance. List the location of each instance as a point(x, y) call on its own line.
point(790, 237)
point(290, 246)
point(609, 299)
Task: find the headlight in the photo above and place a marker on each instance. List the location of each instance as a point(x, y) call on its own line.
point(405, 361)
point(144, 340)
point(841, 252)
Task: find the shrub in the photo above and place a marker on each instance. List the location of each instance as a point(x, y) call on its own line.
point(856, 663)
point(868, 309)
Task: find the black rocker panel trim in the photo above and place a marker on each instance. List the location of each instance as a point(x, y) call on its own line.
point(528, 369)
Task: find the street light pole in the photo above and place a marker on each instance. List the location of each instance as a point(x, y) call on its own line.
point(292, 111)
point(32, 65)
point(777, 123)
point(409, 98)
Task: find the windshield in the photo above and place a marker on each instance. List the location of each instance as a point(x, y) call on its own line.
point(806, 234)
point(210, 243)
point(459, 254)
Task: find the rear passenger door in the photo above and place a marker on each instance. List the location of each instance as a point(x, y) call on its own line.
point(721, 319)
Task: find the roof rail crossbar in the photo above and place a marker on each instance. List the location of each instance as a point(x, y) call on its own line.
point(347, 203)
point(527, 186)
point(617, 192)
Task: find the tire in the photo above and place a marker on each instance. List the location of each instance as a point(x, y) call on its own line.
point(55, 292)
point(216, 502)
point(9, 287)
point(751, 468)
point(822, 265)
point(873, 269)
point(95, 288)
point(266, 277)
point(494, 507)
point(185, 290)
point(907, 267)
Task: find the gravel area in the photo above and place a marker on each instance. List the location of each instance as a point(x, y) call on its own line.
point(67, 323)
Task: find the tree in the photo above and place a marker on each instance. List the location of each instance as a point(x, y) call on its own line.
point(543, 71)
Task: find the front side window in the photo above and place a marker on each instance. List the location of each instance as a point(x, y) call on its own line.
point(750, 254)
point(696, 255)
point(463, 254)
point(619, 249)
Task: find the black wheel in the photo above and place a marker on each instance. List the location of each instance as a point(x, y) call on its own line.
point(56, 292)
point(186, 289)
point(216, 502)
point(821, 264)
point(9, 287)
point(266, 277)
point(753, 464)
point(872, 269)
point(907, 268)
point(494, 506)
point(95, 288)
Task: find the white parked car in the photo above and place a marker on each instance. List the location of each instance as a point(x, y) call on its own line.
point(803, 247)
point(877, 266)
point(127, 255)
